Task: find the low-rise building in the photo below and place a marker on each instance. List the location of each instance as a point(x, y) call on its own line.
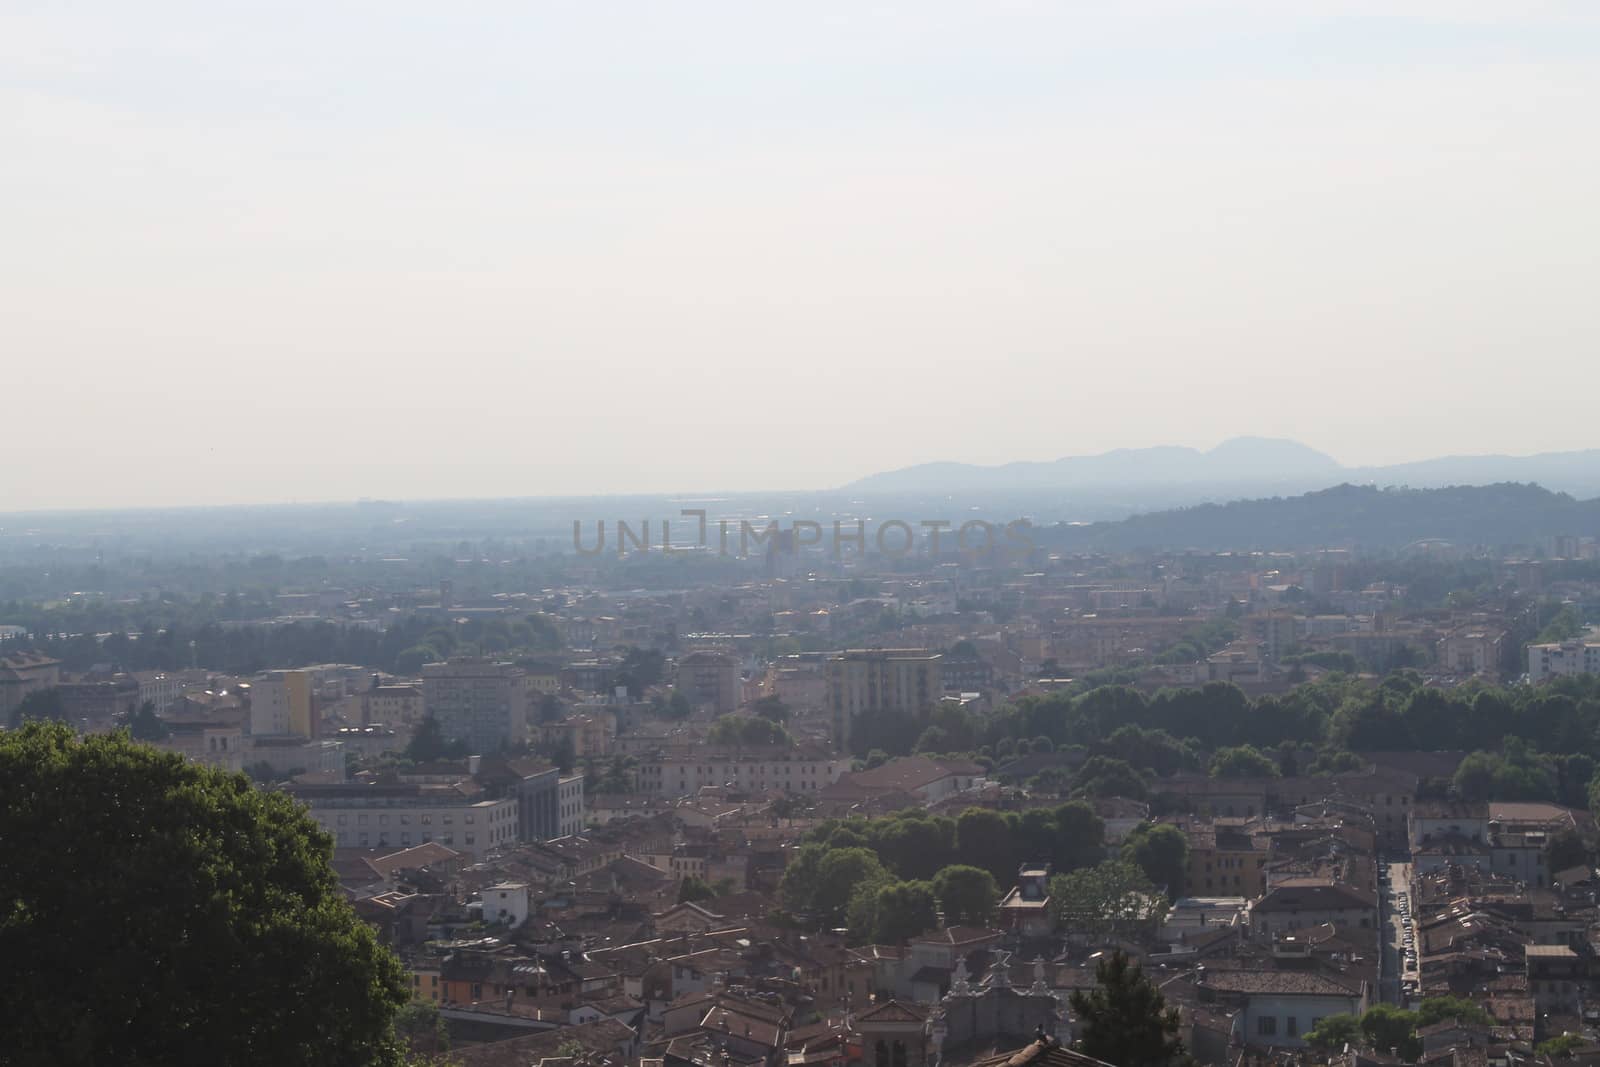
point(213, 742)
point(1279, 1007)
point(1301, 903)
point(793, 769)
point(22, 673)
point(1475, 649)
point(373, 815)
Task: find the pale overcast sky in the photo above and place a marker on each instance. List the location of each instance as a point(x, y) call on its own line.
point(329, 250)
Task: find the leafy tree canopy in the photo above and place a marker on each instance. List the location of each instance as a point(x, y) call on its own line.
point(195, 919)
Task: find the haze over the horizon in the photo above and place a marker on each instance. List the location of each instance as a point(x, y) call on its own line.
point(301, 251)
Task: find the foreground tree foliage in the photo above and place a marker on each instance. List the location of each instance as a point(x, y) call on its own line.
point(155, 912)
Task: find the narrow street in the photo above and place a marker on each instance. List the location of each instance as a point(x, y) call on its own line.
point(1394, 893)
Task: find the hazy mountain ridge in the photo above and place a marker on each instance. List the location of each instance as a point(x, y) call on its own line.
point(1349, 516)
point(1253, 466)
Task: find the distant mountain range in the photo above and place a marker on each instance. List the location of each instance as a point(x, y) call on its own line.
point(1346, 516)
point(1241, 467)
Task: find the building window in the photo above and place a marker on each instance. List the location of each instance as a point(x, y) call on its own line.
point(1291, 1026)
point(1267, 1025)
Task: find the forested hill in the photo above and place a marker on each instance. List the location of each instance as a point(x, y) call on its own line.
point(1349, 516)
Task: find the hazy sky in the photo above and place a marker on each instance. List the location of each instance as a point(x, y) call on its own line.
point(328, 250)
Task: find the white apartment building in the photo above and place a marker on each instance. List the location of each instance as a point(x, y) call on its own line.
point(1581, 656)
point(792, 771)
point(507, 902)
point(374, 816)
point(161, 688)
point(570, 814)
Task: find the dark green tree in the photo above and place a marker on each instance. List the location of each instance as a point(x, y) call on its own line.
point(1243, 761)
point(1333, 1032)
point(1162, 851)
point(1560, 1048)
point(421, 1025)
point(429, 743)
point(1438, 1009)
point(1080, 836)
point(1101, 776)
point(747, 730)
point(1567, 850)
point(692, 890)
point(155, 912)
point(145, 725)
point(1124, 1019)
point(770, 707)
point(42, 704)
point(1102, 898)
point(640, 669)
point(1387, 1027)
point(839, 873)
point(891, 913)
point(985, 838)
point(968, 895)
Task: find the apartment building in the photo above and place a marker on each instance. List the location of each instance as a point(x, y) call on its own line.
point(391, 704)
point(164, 689)
point(480, 701)
point(97, 704)
point(281, 703)
point(1558, 660)
point(709, 677)
point(862, 681)
point(536, 787)
point(570, 813)
point(588, 734)
point(792, 770)
point(375, 816)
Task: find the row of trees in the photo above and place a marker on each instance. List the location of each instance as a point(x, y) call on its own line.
point(1383, 1026)
point(1169, 730)
point(747, 730)
point(402, 648)
point(914, 844)
point(850, 886)
point(1116, 741)
point(883, 877)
